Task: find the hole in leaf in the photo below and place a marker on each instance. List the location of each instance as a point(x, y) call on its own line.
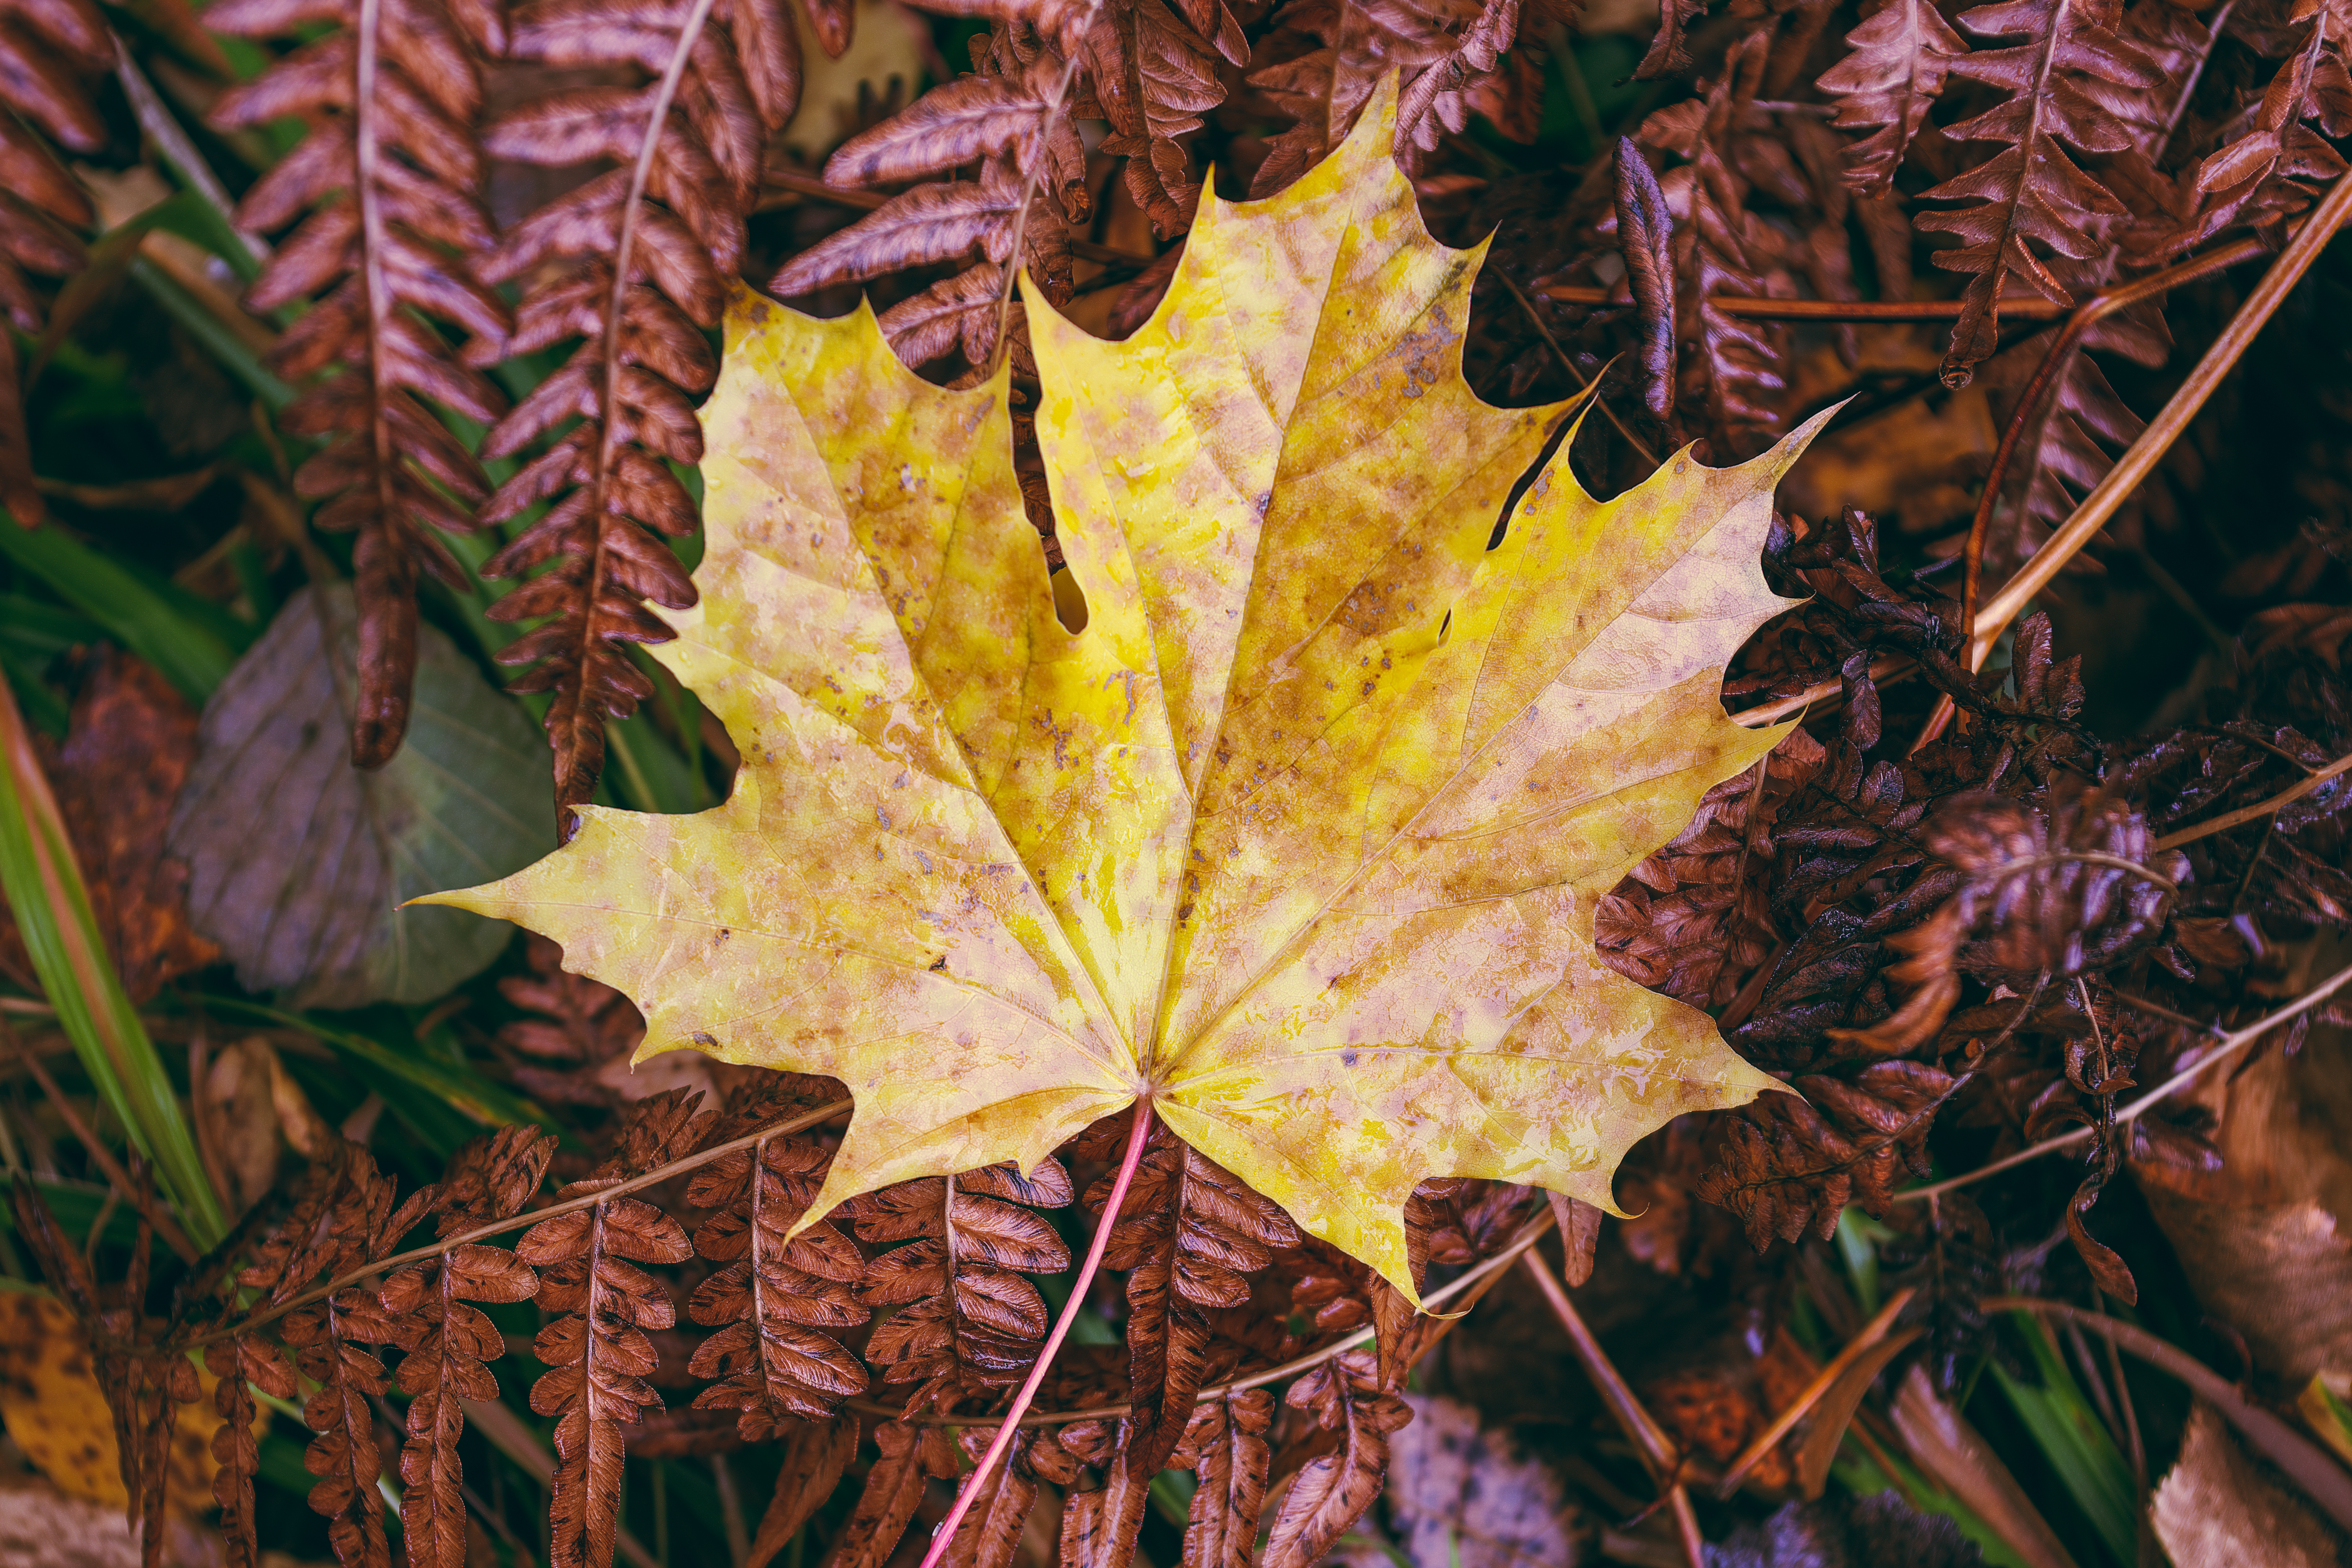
point(1070, 602)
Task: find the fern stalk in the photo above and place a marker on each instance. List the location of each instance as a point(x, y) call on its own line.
point(46, 892)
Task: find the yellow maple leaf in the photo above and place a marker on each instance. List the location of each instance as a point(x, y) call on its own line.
point(1301, 835)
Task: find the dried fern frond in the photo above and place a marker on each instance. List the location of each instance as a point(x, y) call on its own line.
point(581, 1026)
point(1346, 1399)
point(967, 1324)
point(634, 264)
point(602, 1304)
point(1902, 58)
point(386, 185)
point(2279, 163)
point(50, 48)
point(779, 1304)
point(1016, 117)
point(448, 1341)
point(1189, 1236)
point(2068, 93)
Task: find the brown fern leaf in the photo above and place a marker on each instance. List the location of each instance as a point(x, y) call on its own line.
point(912, 1457)
point(1017, 114)
point(1734, 385)
point(242, 1363)
point(447, 1341)
point(48, 49)
point(1332, 1491)
point(602, 1304)
point(1330, 1288)
point(780, 1303)
point(1693, 920)
point(1481, 74)
point(1902, 58)
point(1155, 74)
point(815, 1454)
point(2278, 166)
point(991, 1530)
point(582, 1025)
point(2063, 451)
point(968, 1325)
point(652, 246)
point(1227, 1449)
point(2069, 89)
point(1667, 55)
point(1102, 1523)
point(389, 177)
point(143, 1390)
point(325, 1337)
point(1789, 1165)
point(1329, 56)
point(1190, 1234)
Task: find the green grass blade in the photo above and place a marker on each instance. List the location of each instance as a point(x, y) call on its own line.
point(174, 637)
point(2073, 1442)
point(51, 903)
point(461, 1088)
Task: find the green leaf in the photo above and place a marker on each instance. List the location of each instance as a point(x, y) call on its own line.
point(298, 862)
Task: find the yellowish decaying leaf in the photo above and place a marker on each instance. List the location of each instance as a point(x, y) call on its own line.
point(1301, 835)
point(52, 1406)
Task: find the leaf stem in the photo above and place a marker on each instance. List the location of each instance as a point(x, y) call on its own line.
point(1467, 1288)
point(1138, 1135)
point(2141, 458)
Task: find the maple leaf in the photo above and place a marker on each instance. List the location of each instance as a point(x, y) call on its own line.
point(1301, 835)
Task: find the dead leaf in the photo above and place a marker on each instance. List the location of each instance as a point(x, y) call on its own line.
point(2217, 1509)
point(2263, 1238)
point(1956, 1458)
point(238, 1113)
point(129, 744)
point(297, 859)
point(1316, 745)
point(50, 1402)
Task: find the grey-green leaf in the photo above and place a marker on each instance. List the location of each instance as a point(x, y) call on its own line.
point(297, 861)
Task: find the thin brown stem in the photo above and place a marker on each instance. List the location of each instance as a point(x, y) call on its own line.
point(2230, 1044)
point(1823, 1381)
point(1755, 309)
point(1641, 448)
point(2062, 343)
point(1894, 667)
point(2143, 454)
point(2321, 1479)
point(651, 1178)
point(138, 1195)
point(2259, 809)
point(1659, 1451)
